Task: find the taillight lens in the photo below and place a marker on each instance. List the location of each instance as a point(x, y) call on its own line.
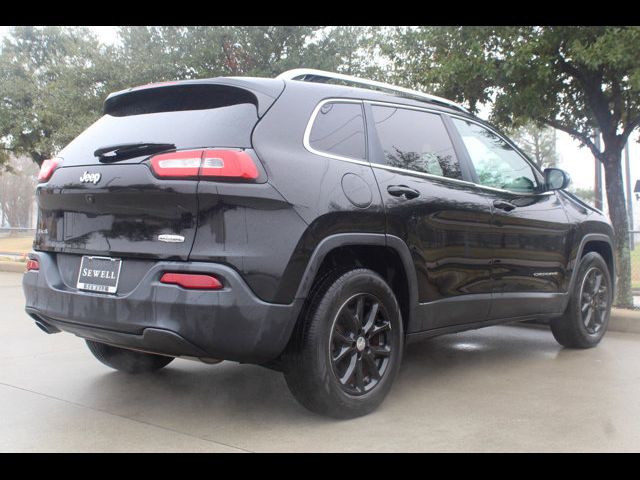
point(32, 265)
point(205, 163)
point(228, 163)
point(47, 168)
point(192, 281)
point(185, 163)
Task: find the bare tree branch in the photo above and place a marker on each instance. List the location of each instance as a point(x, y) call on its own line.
point(574, 133)
point(631, 126)
point(618, 102)
point(597, 101)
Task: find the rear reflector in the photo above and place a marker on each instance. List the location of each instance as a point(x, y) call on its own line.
point(194, 281)
point(47, 168)
point(32, 265)
point(205, 163)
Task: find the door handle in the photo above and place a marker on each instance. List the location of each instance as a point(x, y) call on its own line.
point(402, 191)
point(502, 205)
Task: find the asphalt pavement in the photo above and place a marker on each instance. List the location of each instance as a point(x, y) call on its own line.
point(506, 388)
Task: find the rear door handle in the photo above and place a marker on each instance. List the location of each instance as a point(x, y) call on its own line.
point(402, 191)
point(502, 205)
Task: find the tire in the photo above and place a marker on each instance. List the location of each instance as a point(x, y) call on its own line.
point(368, 361)
point(125, 360)
point(576, 329)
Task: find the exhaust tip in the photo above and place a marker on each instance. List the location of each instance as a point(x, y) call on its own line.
point(46, 328)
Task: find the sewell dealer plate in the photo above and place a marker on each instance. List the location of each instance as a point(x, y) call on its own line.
point(99, 274)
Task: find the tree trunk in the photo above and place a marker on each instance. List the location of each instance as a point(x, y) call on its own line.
point(620, 221)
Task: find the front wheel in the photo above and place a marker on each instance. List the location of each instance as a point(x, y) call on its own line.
point(129, 361)
point(587, 316)
point(347, 349)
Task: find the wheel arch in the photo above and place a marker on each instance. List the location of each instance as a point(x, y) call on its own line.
point(601, 244)
point(387, 255)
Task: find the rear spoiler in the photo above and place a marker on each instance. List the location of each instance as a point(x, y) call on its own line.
point(195, 94)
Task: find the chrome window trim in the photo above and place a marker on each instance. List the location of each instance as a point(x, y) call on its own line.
point(466, 119)
point(307, 132)
point(421, 174)
point(309, 148)
point(408, 107)
point(461, 117)
point(455, 180)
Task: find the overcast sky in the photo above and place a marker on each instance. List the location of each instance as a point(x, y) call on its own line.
point(577, 161)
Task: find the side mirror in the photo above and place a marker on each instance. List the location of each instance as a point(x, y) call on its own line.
point(556, 179)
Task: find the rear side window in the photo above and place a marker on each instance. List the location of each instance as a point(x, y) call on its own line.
point(338, 129)
point(415, 140)
point(210, 116)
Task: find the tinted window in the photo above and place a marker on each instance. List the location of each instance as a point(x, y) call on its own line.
point(496, 163)
point(339, 129)
point(229, 126)
point(415, 140)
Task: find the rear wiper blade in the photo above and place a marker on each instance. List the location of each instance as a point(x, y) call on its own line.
point(130, 150)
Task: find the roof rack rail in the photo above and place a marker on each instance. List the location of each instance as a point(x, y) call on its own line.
point(311, 75)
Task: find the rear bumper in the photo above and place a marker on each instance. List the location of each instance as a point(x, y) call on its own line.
point(230, 324)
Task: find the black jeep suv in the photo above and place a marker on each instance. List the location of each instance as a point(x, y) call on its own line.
point(307, 226)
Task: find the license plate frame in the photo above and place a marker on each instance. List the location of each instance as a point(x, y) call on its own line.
point(107, 283)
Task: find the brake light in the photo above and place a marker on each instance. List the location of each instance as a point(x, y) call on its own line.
point(205, 163)
point(185, 163)
point(32, 265)
point(153, 85)
point(228, 163)
point(194, 281)
point(47, 168)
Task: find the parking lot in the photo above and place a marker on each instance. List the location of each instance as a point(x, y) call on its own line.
point(508, 388)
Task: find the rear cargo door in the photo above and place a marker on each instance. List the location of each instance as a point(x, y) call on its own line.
point(119, 206)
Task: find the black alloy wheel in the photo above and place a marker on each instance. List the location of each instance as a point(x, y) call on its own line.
point(586, 318)
point(347, 347)
point(594, 300)
point(360, 344)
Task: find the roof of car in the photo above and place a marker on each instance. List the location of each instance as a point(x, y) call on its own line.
point(272, 88)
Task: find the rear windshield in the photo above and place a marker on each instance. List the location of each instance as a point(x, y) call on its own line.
point(227, 125)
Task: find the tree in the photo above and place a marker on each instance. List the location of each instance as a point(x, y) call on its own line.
point(150, 54)
point(539, 143)
point(586, 194)
point(52, 85)
point(16, 192)
point(576, 79)
point(53, 81)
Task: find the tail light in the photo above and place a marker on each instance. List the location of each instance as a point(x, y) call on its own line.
point(205, 163)
point(47, 168)
point(185, 163)
point(32, 265)
point(192, 281)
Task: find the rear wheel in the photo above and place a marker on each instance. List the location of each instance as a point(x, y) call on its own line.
point(347, 350)
point(125, 360)
point(587, 316)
